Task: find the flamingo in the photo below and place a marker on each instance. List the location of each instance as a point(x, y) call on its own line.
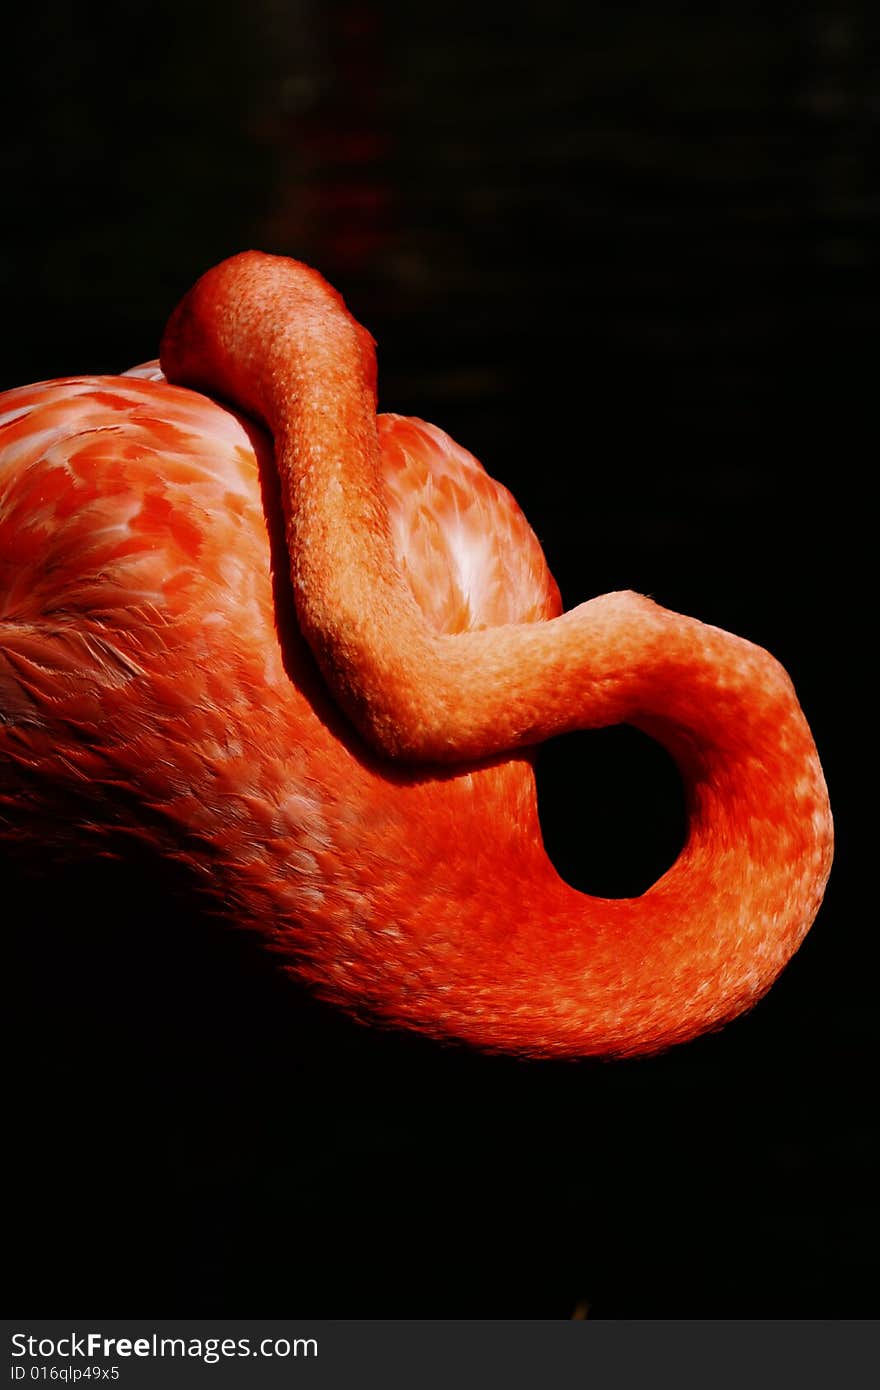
point(330, 719)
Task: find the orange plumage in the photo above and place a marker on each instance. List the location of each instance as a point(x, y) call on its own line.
point(163, 676)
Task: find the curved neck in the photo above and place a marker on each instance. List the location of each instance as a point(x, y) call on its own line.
point(271, 336)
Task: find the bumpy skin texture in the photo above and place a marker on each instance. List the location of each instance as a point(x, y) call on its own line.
point(155, 683)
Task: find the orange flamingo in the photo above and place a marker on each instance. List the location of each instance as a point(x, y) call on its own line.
point(348, 774)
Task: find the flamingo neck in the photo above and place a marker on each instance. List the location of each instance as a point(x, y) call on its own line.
point(270, 336)
point(274, 338)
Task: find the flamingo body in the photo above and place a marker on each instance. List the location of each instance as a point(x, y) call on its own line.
point(158, 682)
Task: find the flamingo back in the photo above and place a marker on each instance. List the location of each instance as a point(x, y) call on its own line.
point(116, 494)
point(469, 555)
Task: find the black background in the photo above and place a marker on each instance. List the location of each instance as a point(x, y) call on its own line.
point(621, 252)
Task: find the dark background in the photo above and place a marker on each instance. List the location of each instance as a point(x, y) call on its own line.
point(621, 252)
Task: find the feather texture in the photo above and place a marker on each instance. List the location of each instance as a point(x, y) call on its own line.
point(165, 676)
